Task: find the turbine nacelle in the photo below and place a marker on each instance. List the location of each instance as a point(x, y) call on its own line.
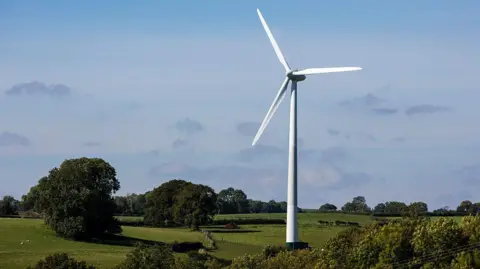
point(294, 77)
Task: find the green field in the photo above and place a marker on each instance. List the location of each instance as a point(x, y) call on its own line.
point(231, 243)
point(303, 218)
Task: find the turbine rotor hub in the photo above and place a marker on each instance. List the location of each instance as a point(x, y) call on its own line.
point(297, 78)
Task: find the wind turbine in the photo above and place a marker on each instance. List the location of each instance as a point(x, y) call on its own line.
point(293, 76)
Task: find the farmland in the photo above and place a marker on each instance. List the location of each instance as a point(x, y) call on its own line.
point(39, 241)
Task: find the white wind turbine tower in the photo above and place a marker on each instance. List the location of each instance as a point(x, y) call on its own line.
point(293, 76)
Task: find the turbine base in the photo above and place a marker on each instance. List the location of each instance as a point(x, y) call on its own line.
point(296, 245)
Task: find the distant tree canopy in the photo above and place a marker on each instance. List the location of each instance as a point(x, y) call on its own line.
point(327, 208)
point(232, 201)
point(357, 205)
point(31, 200)
point(391, 207)
point(468, 207)
point(8, 205)
point(131, 204)
point(180, 202)
point(76, 198)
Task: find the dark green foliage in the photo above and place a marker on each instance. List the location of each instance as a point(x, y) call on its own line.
point(31, 201)
point(391, 207)
point(198, 260)
point(76, 198)
point(133, 222)
point(181, 203)
point(358, 204)
point(130, 205)
point(186, 246)
point(148, 257)
point(8, 206)
point(232, 201)
point(468, 207)
point(328, 208)
point(60, 261)
point(195, 205)
point(272, 250)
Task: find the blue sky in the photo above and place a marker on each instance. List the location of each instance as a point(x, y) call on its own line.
point(172, 89)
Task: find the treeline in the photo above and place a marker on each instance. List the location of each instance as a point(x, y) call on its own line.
point(229, 201)
point(358, 205)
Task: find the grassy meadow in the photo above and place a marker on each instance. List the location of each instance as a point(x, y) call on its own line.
point(25, 241)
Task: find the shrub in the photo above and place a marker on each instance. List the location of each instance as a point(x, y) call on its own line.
point(60, 261)
point(148, 257)
point(272, 250)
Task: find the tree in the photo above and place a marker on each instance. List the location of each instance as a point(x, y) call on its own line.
point(379, 208)
point(195, 205)
point(76, 198)
point(468, 207)
point(131, 204)
point(417, 209)
point(255, 206)
point(328, 208)
point(443, 211)
point(180, 202)
point(148, 257)
point(8, 205)
point(30, 201)
point(395, 207)
point(232, 201)
point(358, 204)
point(160, 201)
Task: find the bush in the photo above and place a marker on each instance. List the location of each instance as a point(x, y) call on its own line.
point(60, 261)
point(148, 257)
point(270, 251)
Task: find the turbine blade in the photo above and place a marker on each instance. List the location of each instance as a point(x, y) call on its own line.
point(276, 102)
point(274, 43)
point(312, 71)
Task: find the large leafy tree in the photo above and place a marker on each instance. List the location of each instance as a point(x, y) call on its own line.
point(328, 208)
point(468, 207)
point(31, 200)
point(158, 208)
point(76, 198)
point(180, 202)
point(195, 205)
point(232, 201)
point(358, 204)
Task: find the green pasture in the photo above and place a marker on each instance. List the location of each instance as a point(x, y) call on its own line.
point(303, 218)
point(25, 241)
